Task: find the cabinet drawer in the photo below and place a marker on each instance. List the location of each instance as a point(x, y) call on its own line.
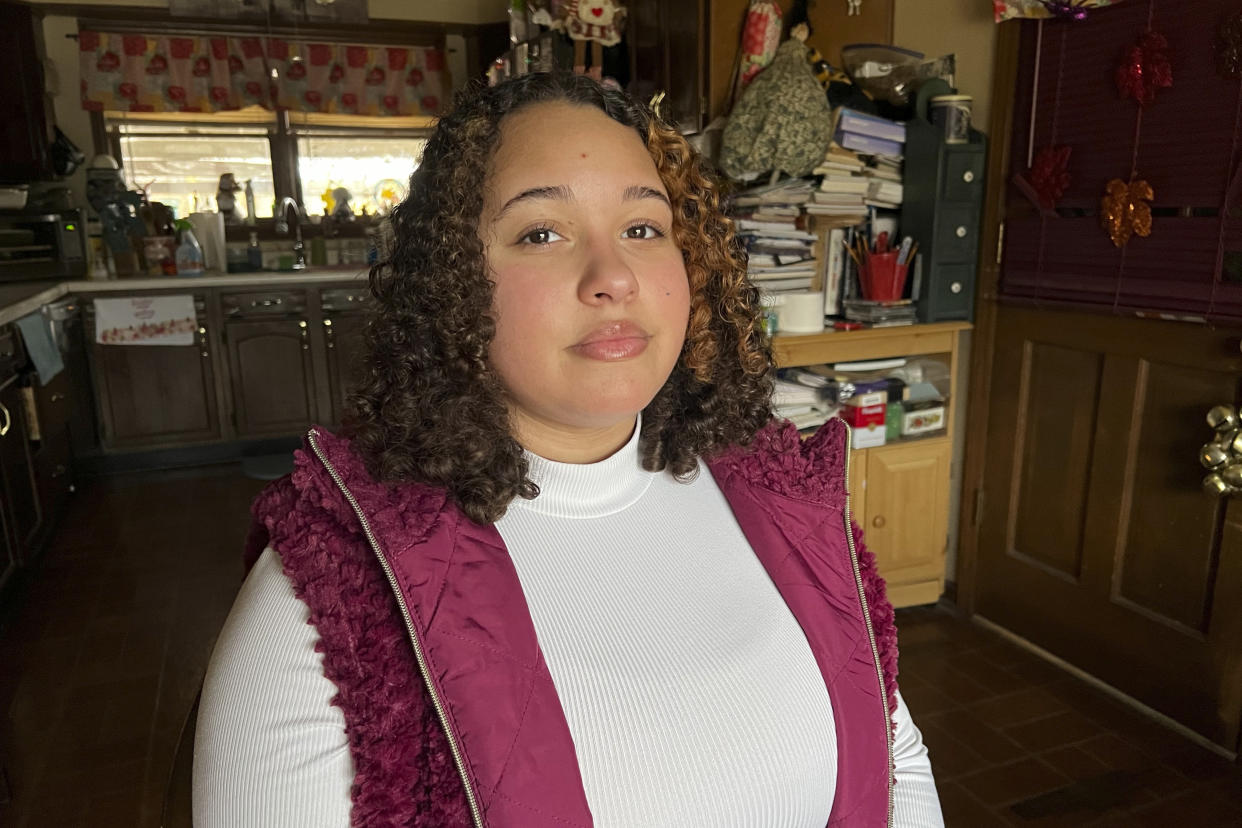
point(53, 404)
point(950, 292)
point(957, 230)
point(963, 176)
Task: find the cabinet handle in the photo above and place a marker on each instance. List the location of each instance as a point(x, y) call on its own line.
point(327, 331)
point(968, 176)
point(8, 421)
point(878, 521)
point(956, 287)
point(961, 231)
point(57, 396)
point(305, 335)
point(202, 340)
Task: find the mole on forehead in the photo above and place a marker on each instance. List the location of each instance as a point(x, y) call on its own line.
point(584, 155)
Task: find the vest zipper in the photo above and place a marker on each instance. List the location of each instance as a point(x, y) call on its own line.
point(862, 599)
point(471, 799)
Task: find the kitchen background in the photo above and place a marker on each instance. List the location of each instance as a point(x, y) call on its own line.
point(196, 188)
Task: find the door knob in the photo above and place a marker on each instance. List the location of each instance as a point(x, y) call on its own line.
point(1222, 456)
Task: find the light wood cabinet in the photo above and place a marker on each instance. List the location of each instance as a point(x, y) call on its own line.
point(904, 514)
point(899, 493)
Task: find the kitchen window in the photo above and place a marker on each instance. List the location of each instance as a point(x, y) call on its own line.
point(179, 158)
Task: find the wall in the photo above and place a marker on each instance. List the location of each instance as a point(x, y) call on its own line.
point(961, 27)
point(964, 28)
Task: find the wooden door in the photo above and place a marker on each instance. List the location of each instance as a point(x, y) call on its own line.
point(1084, 527)
point(155, 395)
point(906, 517)
point(1097, 542)
point(272, 376)
point(344, 344)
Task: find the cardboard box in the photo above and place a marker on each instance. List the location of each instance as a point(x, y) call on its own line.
point(922, 420)
point(867, 422)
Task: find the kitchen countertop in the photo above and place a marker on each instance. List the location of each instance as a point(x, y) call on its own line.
point(20, 298)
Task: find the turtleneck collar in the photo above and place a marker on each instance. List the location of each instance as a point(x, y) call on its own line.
point(585, 490)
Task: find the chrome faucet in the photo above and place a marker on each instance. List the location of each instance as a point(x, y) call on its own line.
point(282, 226)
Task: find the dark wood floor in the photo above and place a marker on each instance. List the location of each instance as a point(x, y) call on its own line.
point(103, 649)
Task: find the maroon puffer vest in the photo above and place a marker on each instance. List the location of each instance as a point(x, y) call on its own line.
point(450, 710)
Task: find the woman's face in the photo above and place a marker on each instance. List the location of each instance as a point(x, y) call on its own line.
point(591, 298)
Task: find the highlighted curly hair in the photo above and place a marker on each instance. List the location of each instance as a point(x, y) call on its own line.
point(431, 407)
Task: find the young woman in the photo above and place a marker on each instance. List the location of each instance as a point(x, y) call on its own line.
point(563, 570)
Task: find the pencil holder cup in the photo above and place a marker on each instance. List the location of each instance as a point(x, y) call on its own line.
point(883, 280)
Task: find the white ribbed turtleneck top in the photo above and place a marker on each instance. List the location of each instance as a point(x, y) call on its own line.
point(691, 693)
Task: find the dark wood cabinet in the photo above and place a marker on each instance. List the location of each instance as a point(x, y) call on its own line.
point(25, 128)
point(344, 346)
point(271, 375)
point(154, 395)
point(24, 512)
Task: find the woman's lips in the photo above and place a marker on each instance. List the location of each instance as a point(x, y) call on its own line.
point(613, 341)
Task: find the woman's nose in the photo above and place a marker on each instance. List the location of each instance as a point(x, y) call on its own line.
point(608, 276)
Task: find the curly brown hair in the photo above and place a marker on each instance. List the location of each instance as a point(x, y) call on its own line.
point(431, 408)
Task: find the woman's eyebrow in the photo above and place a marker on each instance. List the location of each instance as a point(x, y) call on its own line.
point(559, 193)
point(562, 193)
point(635, 193)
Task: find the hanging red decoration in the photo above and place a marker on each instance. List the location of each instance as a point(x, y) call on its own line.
point(1145, 68)
point(1124, 210)
point(1049, 174)
point(1229, 47)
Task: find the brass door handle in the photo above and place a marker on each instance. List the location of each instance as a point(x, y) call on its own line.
point(1222, 456)
point(8, 420)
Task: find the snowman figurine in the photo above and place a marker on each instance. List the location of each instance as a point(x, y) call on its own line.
point(598, 22)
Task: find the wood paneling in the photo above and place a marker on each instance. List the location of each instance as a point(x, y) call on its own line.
point(1053, 539)
point(1158, 504)
point(833, 28)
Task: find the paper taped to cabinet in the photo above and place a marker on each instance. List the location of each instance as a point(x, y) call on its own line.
point(146, 320)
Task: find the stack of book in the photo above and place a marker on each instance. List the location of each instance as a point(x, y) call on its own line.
point(843, 188)
point(884, 174)
point(882, 142)
point(770, 221)
point(804, 399)
point(877, 314)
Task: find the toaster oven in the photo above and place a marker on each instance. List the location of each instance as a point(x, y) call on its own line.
point(42, 245)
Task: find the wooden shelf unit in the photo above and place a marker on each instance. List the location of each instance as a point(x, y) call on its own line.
point(899, 492)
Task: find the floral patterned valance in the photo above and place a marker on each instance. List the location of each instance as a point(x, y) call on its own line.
point(141, 73)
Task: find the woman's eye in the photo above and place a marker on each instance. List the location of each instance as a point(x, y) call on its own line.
point(642, 231)
point(540, 235)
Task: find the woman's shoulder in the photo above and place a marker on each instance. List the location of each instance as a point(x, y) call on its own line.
point(780, 460)
point(330, 490)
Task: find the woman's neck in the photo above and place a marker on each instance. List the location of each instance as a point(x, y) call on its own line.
point(569, 444)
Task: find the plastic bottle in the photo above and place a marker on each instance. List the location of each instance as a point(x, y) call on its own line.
point(254, 253)
point(250, 217)
point(189, 254)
